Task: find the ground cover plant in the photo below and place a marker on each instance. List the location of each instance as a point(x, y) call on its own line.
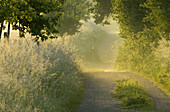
point(132, 95)
point(44, 78)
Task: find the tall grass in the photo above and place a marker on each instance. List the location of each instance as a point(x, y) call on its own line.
point(146, 56)
point(44, 78)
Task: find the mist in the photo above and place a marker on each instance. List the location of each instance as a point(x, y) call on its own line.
point(94, 45)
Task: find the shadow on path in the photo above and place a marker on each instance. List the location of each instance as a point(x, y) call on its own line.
point(98, 95)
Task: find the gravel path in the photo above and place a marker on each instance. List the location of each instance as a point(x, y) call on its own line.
point(98, 95)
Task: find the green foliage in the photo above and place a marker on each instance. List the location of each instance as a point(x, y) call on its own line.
point(36, 17)
point(102, 11)
point(41, 78)
point(89, 54)
point(145, 25)
point(129, 15)
point(158, 14)
point(131, 94)
point(75, 11)
point(142, 56)
point(162, 59)
point(92, 45)
point(134, 16)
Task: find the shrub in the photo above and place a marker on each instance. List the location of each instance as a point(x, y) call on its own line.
point(42, 78)
point(162, 58)
point(146, 56)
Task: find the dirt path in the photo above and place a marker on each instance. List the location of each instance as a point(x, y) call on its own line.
point(98, 96)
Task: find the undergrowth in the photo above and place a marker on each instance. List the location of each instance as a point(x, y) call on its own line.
point(146, 57)
point(44, 78)
point(132, 95)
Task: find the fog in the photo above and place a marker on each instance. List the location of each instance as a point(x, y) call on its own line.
point(94, 45)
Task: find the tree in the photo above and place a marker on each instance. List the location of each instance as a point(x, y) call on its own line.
point(39, 18)
point(134, 16)
point(102, 11)
point(75, 11)
point(2, 15)
point(129, 15)
point(159, 15)
point(1, 28)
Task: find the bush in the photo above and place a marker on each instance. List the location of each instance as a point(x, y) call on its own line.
point(42, 78)
point(131, 94)
point(146, 56)
point(162, 58)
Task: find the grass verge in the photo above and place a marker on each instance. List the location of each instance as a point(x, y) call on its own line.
point(133, 96)
point(44, 78)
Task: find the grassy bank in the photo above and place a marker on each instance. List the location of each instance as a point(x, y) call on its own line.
point(133, 96)
point(44, 78)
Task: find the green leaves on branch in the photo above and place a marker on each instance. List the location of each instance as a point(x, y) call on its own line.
point(39, 18)
point(158, 13)
point(129, 15)
point(75, 11)
point(102, 11)
point(134, 16)
point(145, 25)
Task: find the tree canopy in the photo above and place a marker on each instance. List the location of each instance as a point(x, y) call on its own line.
point(129, 15)
point(102, 11)
point(135, 16)
point(39, 18)
point(158, 15)
point(74, 12)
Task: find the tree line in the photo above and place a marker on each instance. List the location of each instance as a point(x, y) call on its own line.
point(145, 30)
point(35, 17)
point(135, 16)
point(45, 18)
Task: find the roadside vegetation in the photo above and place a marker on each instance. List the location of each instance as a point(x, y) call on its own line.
point(144, 28)
point(152, 62)
point(44, 78)
point(133, 96)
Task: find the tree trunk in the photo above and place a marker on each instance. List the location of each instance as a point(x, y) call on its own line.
point(2, 24)
point(20, 30)
point(9, 26)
